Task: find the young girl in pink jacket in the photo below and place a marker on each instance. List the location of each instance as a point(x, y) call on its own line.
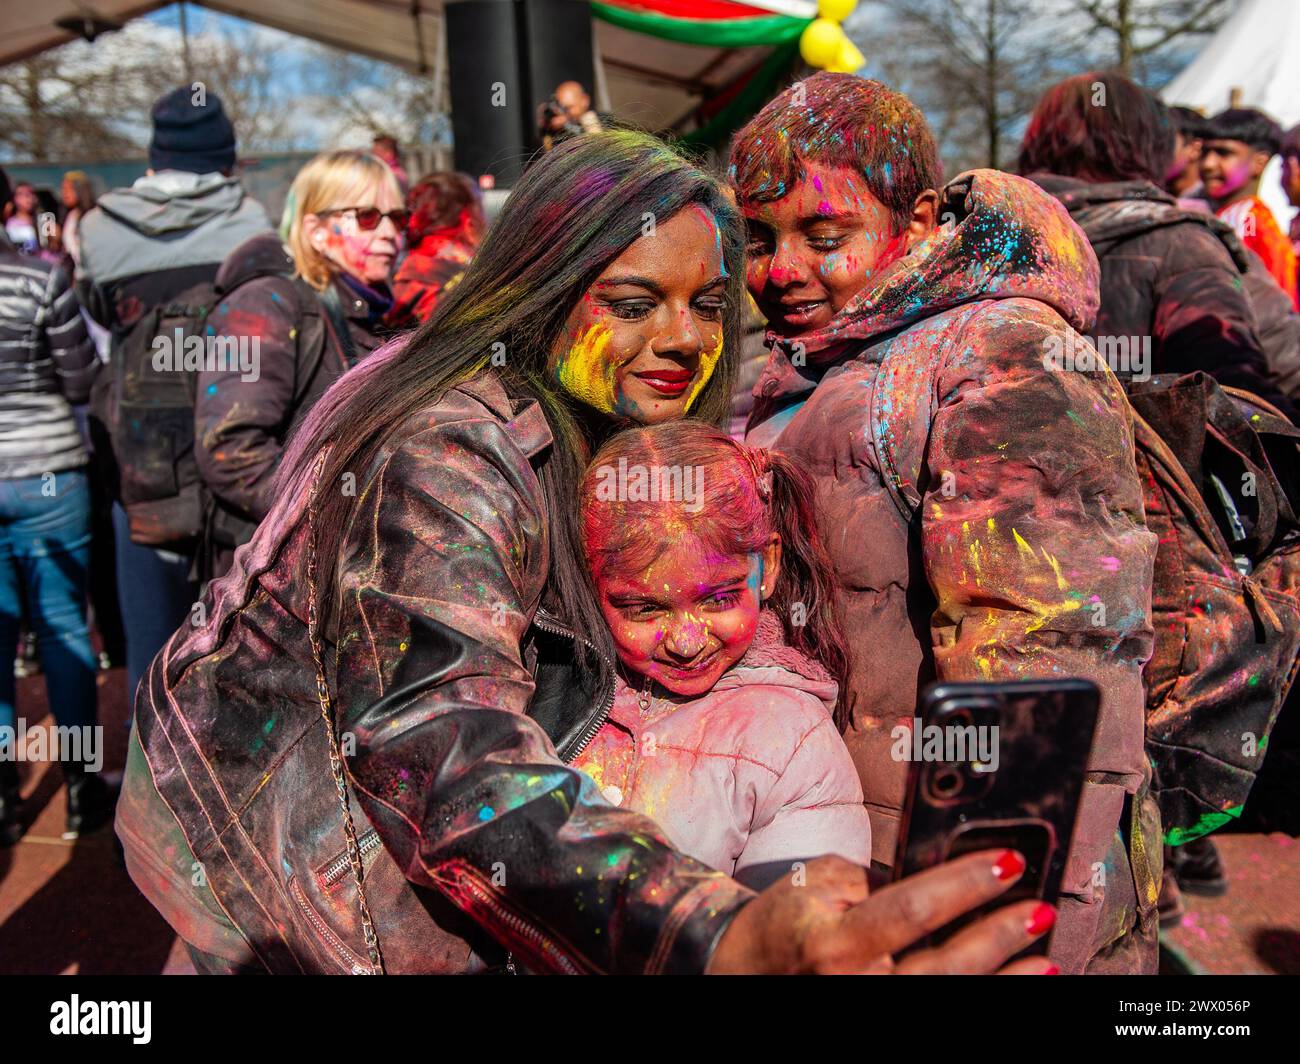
point(724, 729)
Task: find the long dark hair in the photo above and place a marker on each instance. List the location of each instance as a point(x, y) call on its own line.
point(571, 214)
point(735, 517)
point(1099, 127)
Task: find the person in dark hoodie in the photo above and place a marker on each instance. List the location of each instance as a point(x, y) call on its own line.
point(982, 506)
point(1178, 276)
point(313, 307)
point(141, 247)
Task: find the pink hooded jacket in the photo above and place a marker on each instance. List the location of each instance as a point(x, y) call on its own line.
point(751, 773)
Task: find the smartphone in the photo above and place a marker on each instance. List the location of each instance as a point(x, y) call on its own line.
point(997, 766)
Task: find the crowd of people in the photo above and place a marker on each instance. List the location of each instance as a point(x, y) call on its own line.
point(423, 682)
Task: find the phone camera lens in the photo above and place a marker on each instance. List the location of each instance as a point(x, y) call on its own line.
point(946, 783)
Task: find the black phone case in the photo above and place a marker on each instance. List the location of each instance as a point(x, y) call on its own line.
point(1028, 803)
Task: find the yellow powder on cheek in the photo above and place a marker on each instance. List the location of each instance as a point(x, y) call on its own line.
point(708, 361)
point(586, 374)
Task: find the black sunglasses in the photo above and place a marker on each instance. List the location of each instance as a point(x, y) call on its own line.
point(369, 217)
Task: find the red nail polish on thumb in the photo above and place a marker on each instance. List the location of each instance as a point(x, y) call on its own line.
point(1041, 919)
point(1009, 865)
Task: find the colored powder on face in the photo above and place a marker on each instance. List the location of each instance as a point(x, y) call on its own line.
point(708, 362)
point(584, 372)
point(1234, 178)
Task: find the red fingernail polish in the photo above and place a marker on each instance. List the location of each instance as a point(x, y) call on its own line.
point(1008, 866)
point(1051, 969)
point(1041, 919)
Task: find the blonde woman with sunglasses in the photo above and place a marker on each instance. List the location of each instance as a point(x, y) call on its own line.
point(293, 318)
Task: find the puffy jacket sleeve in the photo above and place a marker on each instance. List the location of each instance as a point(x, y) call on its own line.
point(815, 806)
point(71, 348)
point(1204, 320)
point(442, 570)
point(240, 418)
point(1033, 533)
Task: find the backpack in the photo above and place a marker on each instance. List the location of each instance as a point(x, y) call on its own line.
point(146, 404)
point(1226, 586)
point(147, 407)
point(1220, 484)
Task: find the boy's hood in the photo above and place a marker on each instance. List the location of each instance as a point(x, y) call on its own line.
point(173, 200)
point(999, 237)
point(771, 660)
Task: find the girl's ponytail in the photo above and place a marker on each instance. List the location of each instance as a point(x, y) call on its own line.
point(804, 597)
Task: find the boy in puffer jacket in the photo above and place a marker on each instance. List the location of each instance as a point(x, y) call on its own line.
point(974, 462)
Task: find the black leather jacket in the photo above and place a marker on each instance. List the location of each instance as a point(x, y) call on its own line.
point(452, 697)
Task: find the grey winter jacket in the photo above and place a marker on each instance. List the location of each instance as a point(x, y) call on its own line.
point(46, 362)
point(143, 245)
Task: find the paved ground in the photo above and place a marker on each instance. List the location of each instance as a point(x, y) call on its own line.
point(69, 907)
point(1254, 929)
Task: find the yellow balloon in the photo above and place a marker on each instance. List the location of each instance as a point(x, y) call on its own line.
point(848, 59)
point(819, 44)
point(836, 10)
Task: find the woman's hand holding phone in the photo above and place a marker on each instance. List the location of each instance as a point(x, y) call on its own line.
point(831, 924)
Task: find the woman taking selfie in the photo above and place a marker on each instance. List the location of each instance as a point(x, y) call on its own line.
point(308, 308)
point(357, 761)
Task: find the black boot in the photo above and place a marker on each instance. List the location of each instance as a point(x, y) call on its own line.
point(11, 828)
point(1198, 868)
point(91, 801)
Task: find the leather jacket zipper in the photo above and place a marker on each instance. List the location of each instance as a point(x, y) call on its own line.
point(547, 623)
point(339, 867)
point(490, 899)
point(355, 965)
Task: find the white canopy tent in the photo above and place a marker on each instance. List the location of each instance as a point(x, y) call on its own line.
point(1251, 62)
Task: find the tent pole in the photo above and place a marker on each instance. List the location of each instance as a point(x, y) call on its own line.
point(185, 44)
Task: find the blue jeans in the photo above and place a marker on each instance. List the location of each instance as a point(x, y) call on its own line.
point(44, 555)
point(156, 593)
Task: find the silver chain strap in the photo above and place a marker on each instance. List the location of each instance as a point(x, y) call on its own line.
point(336, 760)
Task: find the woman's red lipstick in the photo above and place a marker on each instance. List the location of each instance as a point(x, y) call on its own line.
point(669, 382)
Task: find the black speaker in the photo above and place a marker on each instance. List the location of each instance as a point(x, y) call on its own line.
point(558, 33)
point(505, 59)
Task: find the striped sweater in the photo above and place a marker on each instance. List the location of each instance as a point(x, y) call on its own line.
point(47, 362)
